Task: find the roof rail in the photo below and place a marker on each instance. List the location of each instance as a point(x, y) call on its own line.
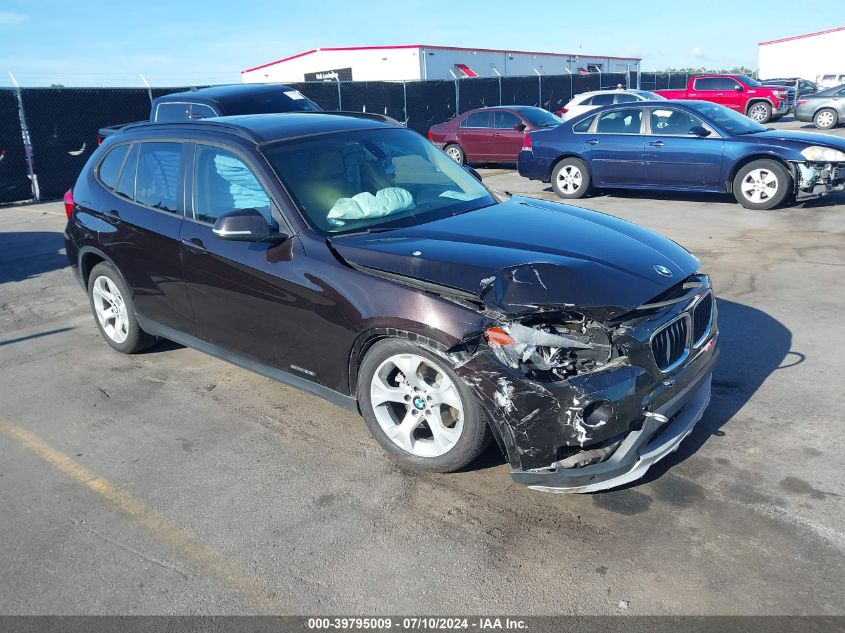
point(232, 128)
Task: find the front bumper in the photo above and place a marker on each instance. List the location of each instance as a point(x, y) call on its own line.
point(640, 450)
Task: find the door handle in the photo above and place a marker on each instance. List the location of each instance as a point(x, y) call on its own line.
point(113, 213)
point(657, 143)
point(497, 134)
point(195, 244)
point(592, 141)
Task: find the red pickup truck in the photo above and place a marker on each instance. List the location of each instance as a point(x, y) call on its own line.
point(738, 92)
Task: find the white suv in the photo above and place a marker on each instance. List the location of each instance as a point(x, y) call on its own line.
point(831, 81)
point(588, 100)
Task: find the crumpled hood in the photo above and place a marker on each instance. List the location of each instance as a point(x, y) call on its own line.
point(525, 255)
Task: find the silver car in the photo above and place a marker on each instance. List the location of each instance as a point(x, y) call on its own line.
point(826, 109)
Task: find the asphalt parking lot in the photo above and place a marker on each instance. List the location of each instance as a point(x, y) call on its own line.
point(172, 483)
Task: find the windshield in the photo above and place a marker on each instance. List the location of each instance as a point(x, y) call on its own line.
point(539, 117)
point(285, 100)
point(748, 81)
point(353, 181)
point(727, 119)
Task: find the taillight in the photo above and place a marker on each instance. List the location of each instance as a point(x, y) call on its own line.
point(526, 141)
point(430, 137)
point(99, 140)
point(69, 203)
point(802, 101)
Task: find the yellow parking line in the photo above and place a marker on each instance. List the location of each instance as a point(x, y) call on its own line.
point(254, 588)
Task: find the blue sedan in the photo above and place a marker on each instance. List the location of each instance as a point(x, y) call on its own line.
point(683, 146)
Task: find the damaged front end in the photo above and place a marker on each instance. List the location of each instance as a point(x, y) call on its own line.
point(585, 398)
point(822, 172)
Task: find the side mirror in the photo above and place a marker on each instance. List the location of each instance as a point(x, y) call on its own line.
point(519, 127)
point(473, 173)
point(738, 88)
point(243, 225)
point(698, 130)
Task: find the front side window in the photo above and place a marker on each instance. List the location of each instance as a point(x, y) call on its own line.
point(505, 120)
point(727, 119)
point(540, 118)
point(352, 181)
point(620, 121)
point(672, 122)
point(715, 83)
point(158, 176)
point(109, 169)
point(202, 111)
point(172, 112)
point(477, 119)
point(224, 183)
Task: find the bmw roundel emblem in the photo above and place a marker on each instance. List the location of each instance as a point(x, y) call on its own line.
point(662, 270)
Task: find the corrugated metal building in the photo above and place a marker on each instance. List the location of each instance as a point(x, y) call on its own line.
point(808, 56)
point(418, 61)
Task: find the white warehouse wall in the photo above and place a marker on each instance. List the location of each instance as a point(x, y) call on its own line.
point(413, 63)
point(803, 56)
point(374, 64)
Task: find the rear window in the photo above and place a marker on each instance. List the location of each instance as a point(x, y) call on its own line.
point(158, 176)
point(284, 100)
point(110, 167)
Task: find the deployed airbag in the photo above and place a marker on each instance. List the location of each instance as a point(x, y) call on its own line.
point(367, 205)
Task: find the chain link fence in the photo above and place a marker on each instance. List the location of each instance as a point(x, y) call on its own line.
point(57, 127)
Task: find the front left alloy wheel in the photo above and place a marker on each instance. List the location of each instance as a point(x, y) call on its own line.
point(418, 409)
point(762, 184)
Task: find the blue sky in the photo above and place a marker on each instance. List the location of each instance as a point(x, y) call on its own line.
point(84, 42)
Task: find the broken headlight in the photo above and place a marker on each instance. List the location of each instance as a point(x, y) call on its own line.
point(563, 350)
point(818, 154)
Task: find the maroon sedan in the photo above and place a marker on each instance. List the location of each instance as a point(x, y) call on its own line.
point(489, 134)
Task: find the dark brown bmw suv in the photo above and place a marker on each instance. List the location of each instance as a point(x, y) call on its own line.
point(353, 259)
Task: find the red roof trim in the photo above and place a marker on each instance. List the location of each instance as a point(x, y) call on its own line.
point(439, 48)
point(799, 37)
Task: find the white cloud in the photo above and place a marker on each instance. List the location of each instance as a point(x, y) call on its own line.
point(7, 18)
point(697, 52)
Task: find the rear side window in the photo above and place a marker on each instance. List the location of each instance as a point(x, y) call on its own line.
point(224, 183)
point(620, 121)
point(505, 120)
point(600, 100)
point(158, 176)
point(582, 127)
point(126, 185)
point(714, 83)
point(477, 119)
point(170, 112)
point(109, 169)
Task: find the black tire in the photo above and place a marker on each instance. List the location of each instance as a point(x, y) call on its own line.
point(763, 196)
point(760, 112)
point(826, 119)
point(570, 190)
point(136, 339)
point(475, 435)
point(456, 153)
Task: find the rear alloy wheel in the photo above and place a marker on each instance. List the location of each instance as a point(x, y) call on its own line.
point(455, 152)
point(762, 185)
point(571, 178)
point(114, 311)
point(761, 112)
point(825, 119)
point(418, 409)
